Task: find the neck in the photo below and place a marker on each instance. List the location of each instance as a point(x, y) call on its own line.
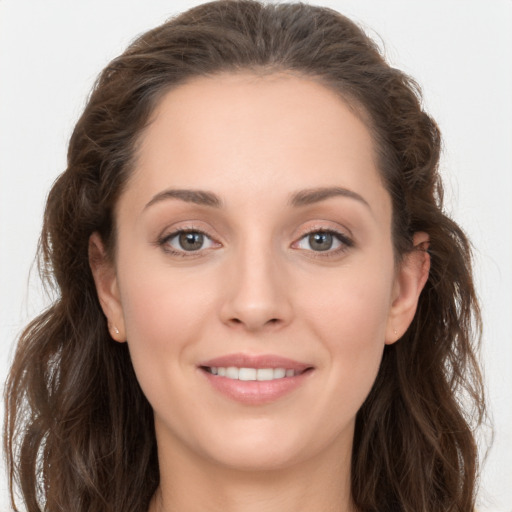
point(320, 484)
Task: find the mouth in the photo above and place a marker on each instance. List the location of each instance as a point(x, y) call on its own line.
point(252, 374)
point(255, 380)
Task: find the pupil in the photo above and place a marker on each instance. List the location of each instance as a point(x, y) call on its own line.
point(320, 241)
point(191, 241)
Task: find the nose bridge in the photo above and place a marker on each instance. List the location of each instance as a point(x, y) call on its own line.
point(256, 296)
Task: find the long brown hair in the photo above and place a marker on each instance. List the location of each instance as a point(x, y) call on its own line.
point(79, 432)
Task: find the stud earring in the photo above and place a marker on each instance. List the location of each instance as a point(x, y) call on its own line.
point(116, 330)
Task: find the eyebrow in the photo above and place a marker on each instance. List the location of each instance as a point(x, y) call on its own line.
point(301, 198)
point(200, 197)
point(315, 195)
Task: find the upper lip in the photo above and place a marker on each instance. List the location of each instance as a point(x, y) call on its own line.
point(241, 360)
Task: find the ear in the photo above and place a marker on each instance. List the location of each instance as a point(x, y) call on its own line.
point(105, 279)
point(409, 282)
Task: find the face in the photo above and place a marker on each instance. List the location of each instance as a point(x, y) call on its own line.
point(254, 279)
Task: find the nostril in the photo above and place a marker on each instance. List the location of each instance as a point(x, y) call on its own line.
point(255, 323)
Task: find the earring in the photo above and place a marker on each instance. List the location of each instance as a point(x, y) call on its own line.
point(395, 332)
point(116, 330)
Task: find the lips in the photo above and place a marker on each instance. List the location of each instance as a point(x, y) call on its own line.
point(247, 374)
point(254, 380)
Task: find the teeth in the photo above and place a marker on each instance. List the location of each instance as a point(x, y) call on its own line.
point(232, 372)
point(247, 374)
point(265, 374)
point(261, 374)
point(279, 373)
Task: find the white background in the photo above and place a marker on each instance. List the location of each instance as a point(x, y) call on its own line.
point(460, 51)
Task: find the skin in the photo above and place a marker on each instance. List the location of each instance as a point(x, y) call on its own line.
point(256, 286)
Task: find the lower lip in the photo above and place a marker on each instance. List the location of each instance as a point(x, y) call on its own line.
point(254, 392)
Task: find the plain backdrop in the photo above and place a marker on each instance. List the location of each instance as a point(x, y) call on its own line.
point(459, 51)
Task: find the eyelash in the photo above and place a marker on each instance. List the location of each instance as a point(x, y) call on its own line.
point(345, 242)
point(164, 242)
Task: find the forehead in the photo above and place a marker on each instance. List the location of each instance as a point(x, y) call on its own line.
point(262, 134)
point(270, 107)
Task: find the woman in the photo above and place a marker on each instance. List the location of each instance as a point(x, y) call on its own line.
point(262, 304)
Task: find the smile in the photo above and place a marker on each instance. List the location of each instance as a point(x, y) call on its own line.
point(247, 374)
point(255, 379)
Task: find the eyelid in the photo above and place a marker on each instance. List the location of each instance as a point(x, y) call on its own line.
point(325, 226)
point(346, 241)
point(163, 241)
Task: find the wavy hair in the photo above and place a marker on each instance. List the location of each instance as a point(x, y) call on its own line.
point(79, 432)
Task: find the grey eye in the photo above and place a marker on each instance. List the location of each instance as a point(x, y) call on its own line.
point(191, 241)
point(320, 241)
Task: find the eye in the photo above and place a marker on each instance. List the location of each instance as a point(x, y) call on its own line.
point(324, 241)
point(183, 241)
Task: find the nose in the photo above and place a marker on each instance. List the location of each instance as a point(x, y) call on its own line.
point(257, 293)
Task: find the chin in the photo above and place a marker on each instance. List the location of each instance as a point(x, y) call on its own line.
point(266, 447)
point(257, 458)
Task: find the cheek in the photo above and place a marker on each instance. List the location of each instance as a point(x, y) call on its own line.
point(161, 307)
point(157, 297)
point(351, 307)
point(351, 321)
point(161, 312)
